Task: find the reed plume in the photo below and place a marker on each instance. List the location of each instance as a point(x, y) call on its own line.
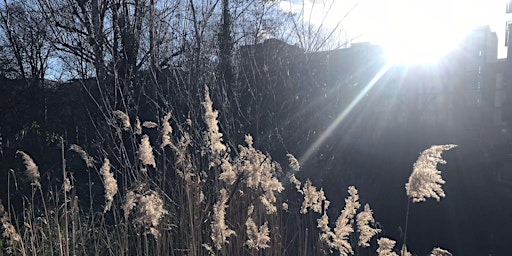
point(31, 169)
point(109, 183)
point(425, 180)
point(386, 247)
point(146, 152)
point(89, 162)
point(124, 118)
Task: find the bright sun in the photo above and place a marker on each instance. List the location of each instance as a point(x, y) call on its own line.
point(423, 31)
point(410, 31)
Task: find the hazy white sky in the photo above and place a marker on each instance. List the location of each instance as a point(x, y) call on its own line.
point(389, 21)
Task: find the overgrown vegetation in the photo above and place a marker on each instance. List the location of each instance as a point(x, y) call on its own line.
point(128, 156)
point(170, 193)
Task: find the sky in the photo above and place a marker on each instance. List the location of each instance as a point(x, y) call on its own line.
point(410, 22)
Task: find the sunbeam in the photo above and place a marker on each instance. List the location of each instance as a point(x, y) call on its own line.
point(343, 114)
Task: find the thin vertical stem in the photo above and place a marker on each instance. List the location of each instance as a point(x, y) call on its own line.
point(66, 235)
point(406, 227)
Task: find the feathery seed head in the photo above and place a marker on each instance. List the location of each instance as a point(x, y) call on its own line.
point(293, 162)
point(213, 136)
point(10, 234)
point(66, 185)
point(149, 124)
point(366, 232)
point(257, 237)
point(146, 152)
point(220, 231)
point(386, 247)
point(81, 152)
point(425, 180)
point(125, 119)
point(440, 252)
point(109, 183)
point(150, 210)
point(313, 199)
point(31, 170)
point(138, 127)
point(129, 203)
point(166, 130)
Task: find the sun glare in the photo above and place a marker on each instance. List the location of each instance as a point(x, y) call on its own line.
point(419, 31)
point(410, 31)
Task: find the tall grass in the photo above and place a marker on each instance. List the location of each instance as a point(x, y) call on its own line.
point(172, 188)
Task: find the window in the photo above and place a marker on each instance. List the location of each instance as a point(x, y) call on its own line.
point(507, 33)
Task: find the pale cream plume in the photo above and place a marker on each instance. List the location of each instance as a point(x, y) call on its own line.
point(440, 252)
point(313, 199)
point(220, 231)
point(89, 162)
point(258, 238)
point(386, 247)
point(10, 234)
point(150, 210)
point(343, 228)
point(31, 170)
point(149, 124)
point(109, 183)
point(146, 152)
point(166, 130)
point(339, 237)
point(138, 127)
point(425, 180)
point(259, 172)
point(125, 119)
point(366, 232)
point(130, 201)
point(213, 136)
point(293, 162)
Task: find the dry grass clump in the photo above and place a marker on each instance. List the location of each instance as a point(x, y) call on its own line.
point(66, 185)
point(10, 234)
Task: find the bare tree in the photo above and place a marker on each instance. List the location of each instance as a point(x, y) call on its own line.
point(26, 36)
